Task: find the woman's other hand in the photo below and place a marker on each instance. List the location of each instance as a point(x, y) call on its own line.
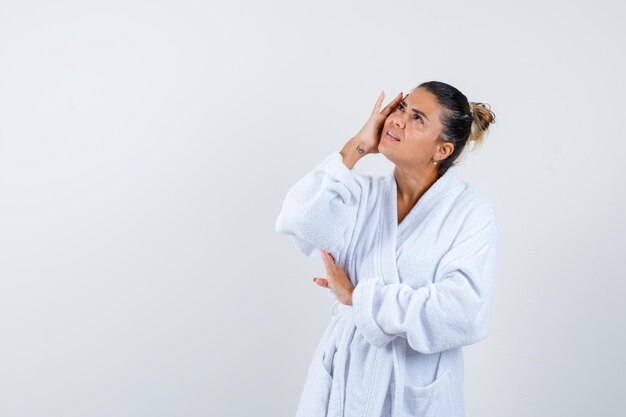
point(337, 280)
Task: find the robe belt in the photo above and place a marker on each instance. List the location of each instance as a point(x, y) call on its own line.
point(343, 347)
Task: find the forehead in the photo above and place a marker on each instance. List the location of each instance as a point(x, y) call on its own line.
point(423, 100)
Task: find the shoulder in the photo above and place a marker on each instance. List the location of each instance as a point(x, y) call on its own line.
point(474, 206)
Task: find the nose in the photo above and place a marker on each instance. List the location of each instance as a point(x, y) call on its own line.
point(398, 119)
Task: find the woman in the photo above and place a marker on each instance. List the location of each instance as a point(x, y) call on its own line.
point(410, 258)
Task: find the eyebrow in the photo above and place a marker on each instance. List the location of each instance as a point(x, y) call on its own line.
point(415, 110)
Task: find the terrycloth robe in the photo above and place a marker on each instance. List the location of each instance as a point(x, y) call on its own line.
point(423, 290)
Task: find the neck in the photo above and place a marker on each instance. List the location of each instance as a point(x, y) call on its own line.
point(413, 184)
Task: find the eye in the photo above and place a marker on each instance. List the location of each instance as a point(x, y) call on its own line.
point(416, 116)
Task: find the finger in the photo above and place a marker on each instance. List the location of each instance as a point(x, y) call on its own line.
point(389, 107)
point(330, 260)
point(321, 282)
point(323, 254)
point(379, 102)
point(328, 264)
point(331, 257)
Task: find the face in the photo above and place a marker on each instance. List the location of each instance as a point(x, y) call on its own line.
point(415, 125)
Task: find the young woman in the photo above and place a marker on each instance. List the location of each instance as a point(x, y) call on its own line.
point(410, 258)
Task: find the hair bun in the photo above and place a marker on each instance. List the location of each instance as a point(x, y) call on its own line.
point(483, 117)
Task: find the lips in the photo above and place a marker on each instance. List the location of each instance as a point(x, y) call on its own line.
point(393, 135)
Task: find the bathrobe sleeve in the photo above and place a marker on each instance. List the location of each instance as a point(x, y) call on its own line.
point(452, 311)
point(320, 210)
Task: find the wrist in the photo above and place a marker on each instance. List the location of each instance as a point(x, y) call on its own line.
point(353, 151)
point(346, 297)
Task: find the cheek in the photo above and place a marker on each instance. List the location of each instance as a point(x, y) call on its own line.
point(415, 136)
point(418, 142)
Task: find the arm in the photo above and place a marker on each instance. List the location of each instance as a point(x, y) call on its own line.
point(454, 311)
point(320, 210)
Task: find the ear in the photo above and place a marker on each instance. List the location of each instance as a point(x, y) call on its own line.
point(444, 150)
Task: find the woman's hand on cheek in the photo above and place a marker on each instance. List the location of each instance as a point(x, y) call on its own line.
point(369, 135)
point(337, 280)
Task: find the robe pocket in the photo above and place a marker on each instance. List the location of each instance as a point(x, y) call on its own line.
point(432, 400)
point(328, 360)
point(322, 378)
point(316, 394)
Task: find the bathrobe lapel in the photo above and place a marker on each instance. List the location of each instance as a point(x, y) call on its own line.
point(389, 242)
point(387, 251)
point(438, 191)
point(394, 236)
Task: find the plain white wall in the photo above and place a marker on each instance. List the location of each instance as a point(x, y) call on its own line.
point(146, 148)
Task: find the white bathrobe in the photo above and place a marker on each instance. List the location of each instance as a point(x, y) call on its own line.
point(423, 290)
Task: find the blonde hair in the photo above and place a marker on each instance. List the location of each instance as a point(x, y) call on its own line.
point(483, 117)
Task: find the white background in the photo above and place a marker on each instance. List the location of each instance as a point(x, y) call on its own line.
point(146, 148)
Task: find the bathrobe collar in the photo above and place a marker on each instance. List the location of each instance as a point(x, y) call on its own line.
point(434, 194)
point(447, 184)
